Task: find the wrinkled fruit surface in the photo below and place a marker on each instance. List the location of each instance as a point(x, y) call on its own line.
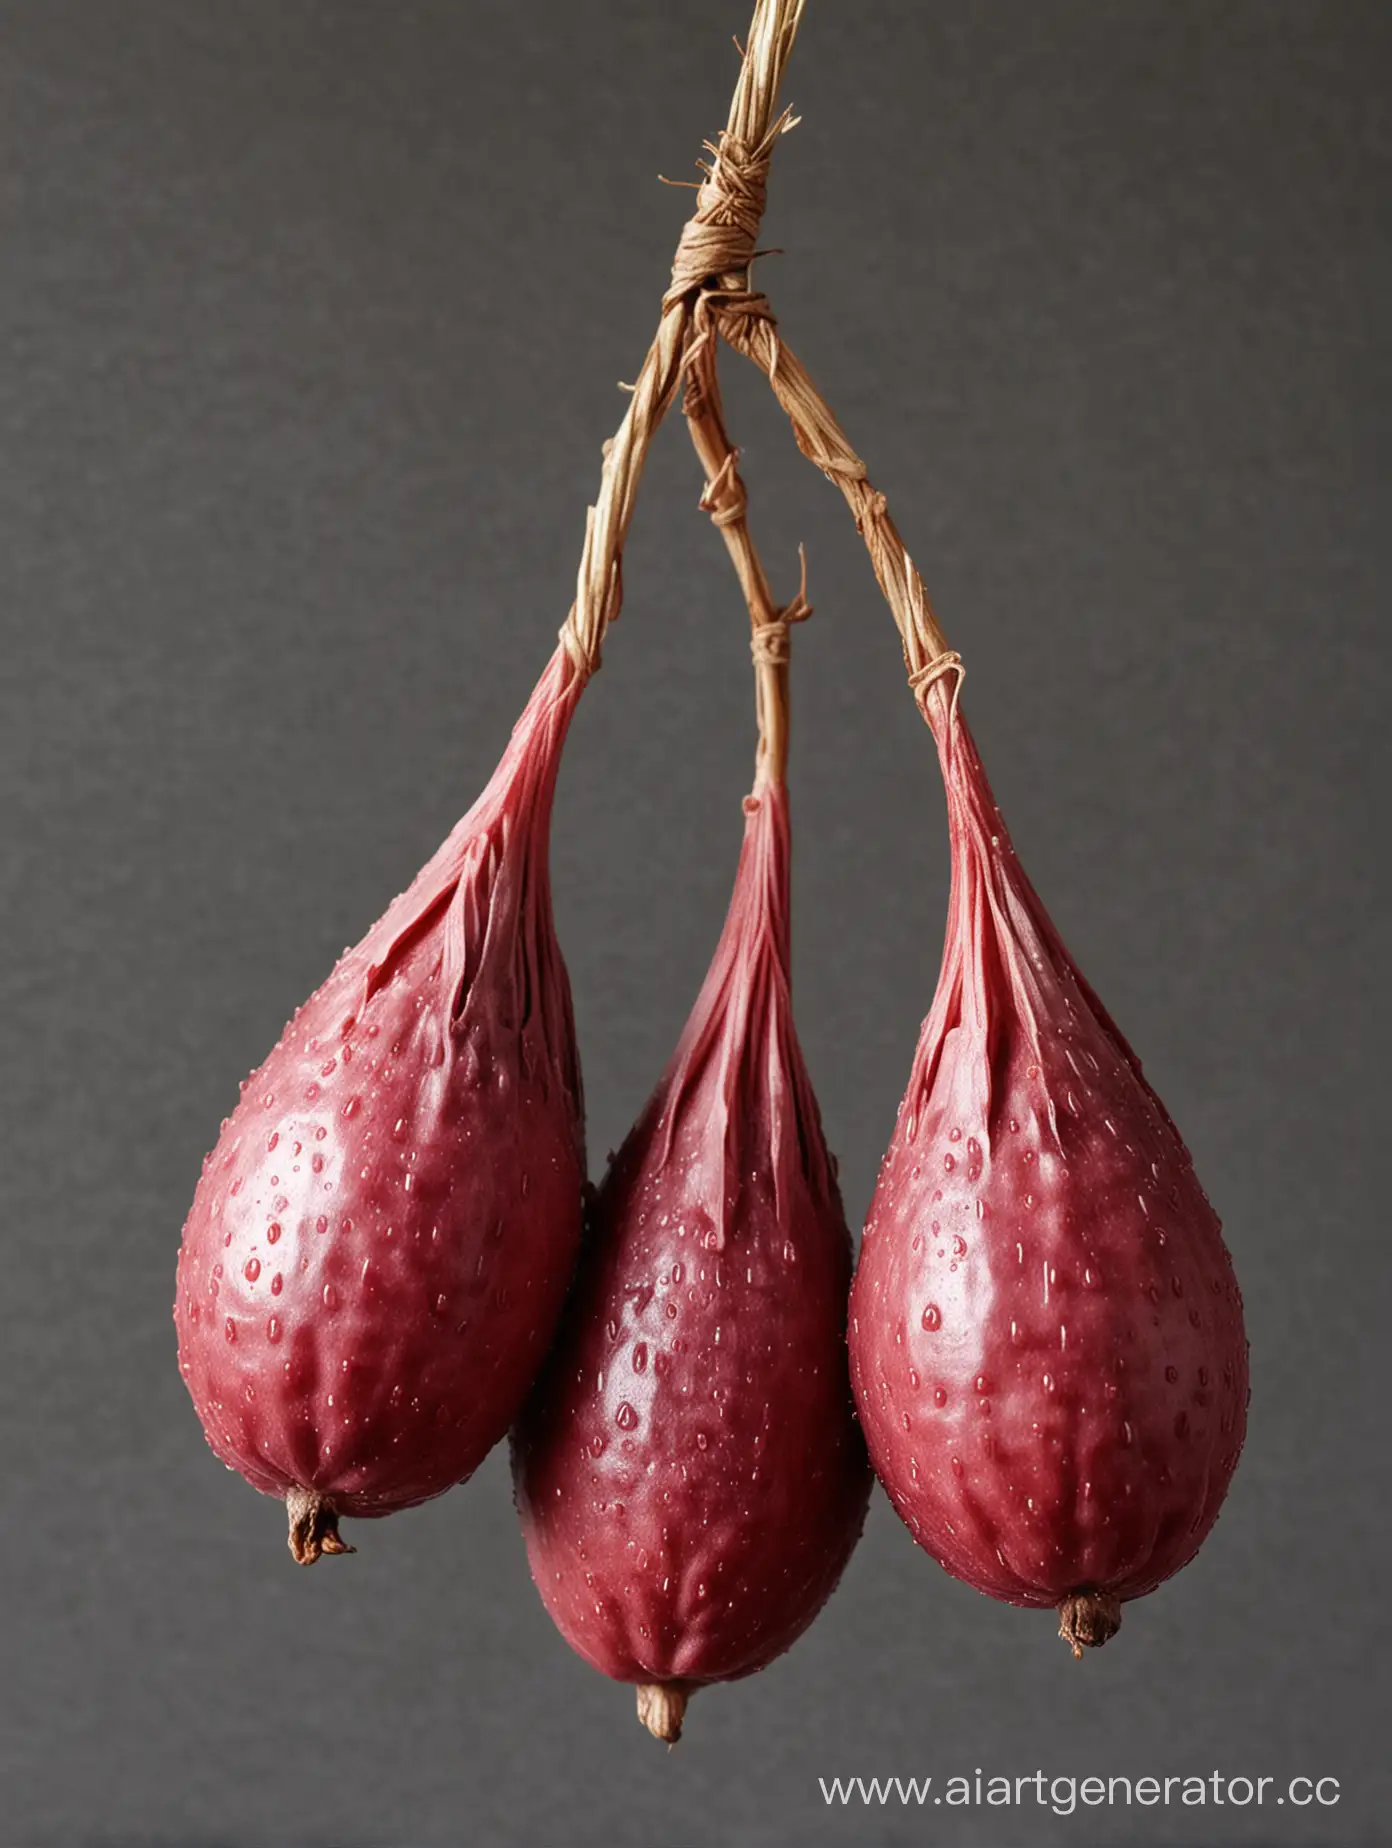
point(1046, 1334)
point(689, 1474)
point(381, 1241)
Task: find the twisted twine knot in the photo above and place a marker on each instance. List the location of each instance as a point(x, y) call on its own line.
point(922, 679)
point(575, 648)
point(769, 642)
point(725, 499)
point(719, 238)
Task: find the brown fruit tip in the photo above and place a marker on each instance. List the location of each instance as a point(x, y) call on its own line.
point(1087, 1619)
point(313, 1527)
point(662, 1708)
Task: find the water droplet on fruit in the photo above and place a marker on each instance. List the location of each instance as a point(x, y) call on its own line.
point(229, 1328)
point(625, 1417)
point(932, 1318)
point(273, 1330)
point(954, 1135)
point(251, 1270)
point(949, 1163)
point(940, 1396)
point(330, 1297)
point(1172, 1374)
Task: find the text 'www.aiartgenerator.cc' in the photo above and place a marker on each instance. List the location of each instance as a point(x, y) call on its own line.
point(1063, 1795)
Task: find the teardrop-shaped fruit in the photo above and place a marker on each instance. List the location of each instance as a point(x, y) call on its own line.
point(382, 1239)
point(1046, 1334)
point(689, 1473)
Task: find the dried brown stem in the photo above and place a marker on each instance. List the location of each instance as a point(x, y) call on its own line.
point(726, 500)
point(719, 238)
point(746, 323)
point(313, 1527)
point(1088, 1619)
point(662, 1708)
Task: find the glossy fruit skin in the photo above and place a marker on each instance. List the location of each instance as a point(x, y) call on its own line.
point(381, 1241)
point(1046, 1334)
point(689, 1474)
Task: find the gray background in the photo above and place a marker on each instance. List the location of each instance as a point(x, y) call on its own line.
point(311, 316)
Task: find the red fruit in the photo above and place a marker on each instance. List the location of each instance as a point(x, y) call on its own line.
point(381, 1241)
point(689, 1473)
point(1046, 1334)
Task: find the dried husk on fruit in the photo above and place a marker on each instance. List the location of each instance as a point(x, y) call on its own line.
point(1046, 1337)
point(690, 1477)
point(380, 1243)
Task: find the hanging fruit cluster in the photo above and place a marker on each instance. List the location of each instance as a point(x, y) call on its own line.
point(393, 1257)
